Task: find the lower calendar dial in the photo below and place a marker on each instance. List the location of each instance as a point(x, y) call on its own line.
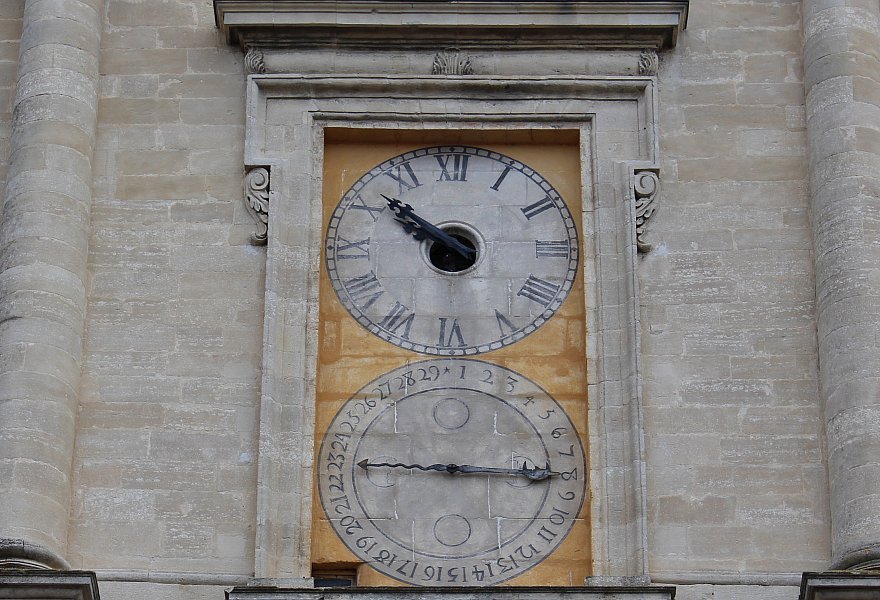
point(452, 472)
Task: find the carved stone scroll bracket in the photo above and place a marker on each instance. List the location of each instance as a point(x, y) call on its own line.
point(649, 62)
point(452, 62)
point(254, 61)
point(256, 199)
point(646, 186)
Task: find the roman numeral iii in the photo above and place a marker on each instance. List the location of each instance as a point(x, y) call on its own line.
point(551, 249)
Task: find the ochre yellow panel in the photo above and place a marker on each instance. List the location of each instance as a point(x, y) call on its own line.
point(553, 356)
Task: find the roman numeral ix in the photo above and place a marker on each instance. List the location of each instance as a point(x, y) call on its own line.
point(346, 249)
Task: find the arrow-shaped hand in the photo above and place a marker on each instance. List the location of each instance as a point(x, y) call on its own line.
point(535, 474)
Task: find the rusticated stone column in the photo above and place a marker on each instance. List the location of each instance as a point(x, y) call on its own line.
point(44, 233)
point(842, 79)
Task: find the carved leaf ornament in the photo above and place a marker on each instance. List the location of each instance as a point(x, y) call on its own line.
point(256, 194)
point(645, 187)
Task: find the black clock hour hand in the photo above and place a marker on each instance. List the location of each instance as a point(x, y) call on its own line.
point(535, 474)
point(419, 228)
point(412, 229)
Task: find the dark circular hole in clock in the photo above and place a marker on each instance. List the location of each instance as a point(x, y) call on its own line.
point(447, 259)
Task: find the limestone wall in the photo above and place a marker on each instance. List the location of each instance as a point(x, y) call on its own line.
point(735, 462)
point(164, 469)
point(10, 34)
point(164, 472)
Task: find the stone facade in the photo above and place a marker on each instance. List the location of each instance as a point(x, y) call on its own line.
point(148, 397)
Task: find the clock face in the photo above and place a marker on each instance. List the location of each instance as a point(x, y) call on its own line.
point(516, 260)
point(428, 526)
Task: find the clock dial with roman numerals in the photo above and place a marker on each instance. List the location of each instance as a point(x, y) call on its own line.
point(405, 282)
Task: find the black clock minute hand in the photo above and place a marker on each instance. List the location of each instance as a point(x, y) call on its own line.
point(420, 228)
point(535, 474)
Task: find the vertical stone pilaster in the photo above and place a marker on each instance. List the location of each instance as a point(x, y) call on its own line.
point(842, 79)
point(44, 233)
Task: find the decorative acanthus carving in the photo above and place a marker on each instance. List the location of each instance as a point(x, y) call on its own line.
point(646, 185)
point(256, 199)
point(649, 62)
point(253, 61)
point(452, 62)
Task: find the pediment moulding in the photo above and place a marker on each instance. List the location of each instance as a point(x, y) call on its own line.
point(471, 24)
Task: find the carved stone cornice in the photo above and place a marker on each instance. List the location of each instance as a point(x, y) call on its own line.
point(646, 185)
point(452, 62)
point(256, 199)
point(633, 24)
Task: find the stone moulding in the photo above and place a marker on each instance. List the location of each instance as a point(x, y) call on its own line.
point(291, 23)
point(19, 554)
point(287, 116)
point(57, 585)
point(504, 593)
point(840, 585)
point(256, 200)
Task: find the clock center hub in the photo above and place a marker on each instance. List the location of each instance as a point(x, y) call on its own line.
point(446, 260)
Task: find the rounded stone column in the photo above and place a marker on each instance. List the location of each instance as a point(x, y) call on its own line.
point(842, 80)
point(44, 233)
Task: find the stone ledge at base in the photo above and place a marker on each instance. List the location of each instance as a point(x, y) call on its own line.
point(457, 593)
point(841, 585)
point(48, 585)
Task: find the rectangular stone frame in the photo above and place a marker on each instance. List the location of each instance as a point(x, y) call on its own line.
point(286, 117)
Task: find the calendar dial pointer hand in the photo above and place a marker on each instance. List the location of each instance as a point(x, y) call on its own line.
point(535, 474)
